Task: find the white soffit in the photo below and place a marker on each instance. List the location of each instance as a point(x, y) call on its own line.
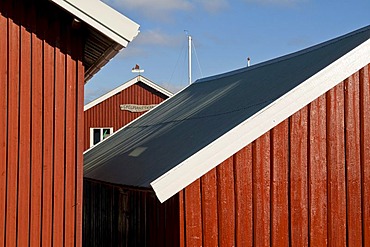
point(127, 85)
point(102, 18)
point(216, 152)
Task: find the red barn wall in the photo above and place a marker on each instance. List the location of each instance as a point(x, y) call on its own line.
point(109, 114)
point(41, 123)
point(306, 182)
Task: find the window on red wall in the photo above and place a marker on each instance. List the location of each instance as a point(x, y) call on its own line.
point(99, 134)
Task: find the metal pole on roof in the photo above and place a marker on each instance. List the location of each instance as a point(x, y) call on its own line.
point(189, 58)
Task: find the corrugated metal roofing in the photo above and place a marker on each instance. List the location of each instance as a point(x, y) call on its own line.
point(205, 112)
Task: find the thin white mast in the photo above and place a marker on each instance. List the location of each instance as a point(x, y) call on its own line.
point(189, 58)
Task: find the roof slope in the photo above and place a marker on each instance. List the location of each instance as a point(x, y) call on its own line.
point(127, 84)
point(108, 32)
point(201, 126)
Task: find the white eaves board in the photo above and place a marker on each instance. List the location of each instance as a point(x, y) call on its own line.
point(103, 18)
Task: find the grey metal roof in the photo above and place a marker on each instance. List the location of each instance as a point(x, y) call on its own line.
point(203, 112)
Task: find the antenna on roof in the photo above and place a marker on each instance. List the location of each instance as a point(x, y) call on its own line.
point(189, 56)
point(137, 69)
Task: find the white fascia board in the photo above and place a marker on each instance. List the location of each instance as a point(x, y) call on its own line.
point(224, 147)
point(103, 18)
point(155, 86)
point(123, 87)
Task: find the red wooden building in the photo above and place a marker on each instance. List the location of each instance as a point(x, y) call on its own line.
point(48, 49)
point(120, 106)
point(273, 154)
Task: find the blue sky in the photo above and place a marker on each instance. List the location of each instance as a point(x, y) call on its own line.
point(224, 34)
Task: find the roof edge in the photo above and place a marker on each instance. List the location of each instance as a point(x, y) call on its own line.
point(215, 153)
point(127, 84)
point(103, 18)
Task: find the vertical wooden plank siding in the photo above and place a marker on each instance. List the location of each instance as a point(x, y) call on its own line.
point(12, 131)
point(59, 141)
point(261, 190)
point(109, 114)
point(243, 197)
point(279, 188)
point(48, 120)
point(70, 148)
point(226, 203)
point(365, 151)
point(24, 134)
point(3, 117)
point(209, 209)
point(353, 162)
point(336, 167)
point(193, 215)
point(317, 173)
point(35, 110)
point(299, 178)
point(80, 145)
point(182, 226)
point(36, 130)
point(311, 180)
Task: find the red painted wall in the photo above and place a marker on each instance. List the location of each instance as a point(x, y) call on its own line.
point(305, 182)
point(109, 114)
point(41, 116)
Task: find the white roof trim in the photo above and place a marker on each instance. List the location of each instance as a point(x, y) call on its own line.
point(215, 153)
point(103, 18)
point(126, 85)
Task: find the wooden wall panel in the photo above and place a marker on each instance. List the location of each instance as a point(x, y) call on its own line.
point(353, 159)
point(79, 148)
point(48, 120)
point(69, 189)
point(209, 209)
point(59, 142)
point(36, 132)
point(226, 203)
point(261, 190)
point(243, 197)
point(12, 130)
point(3, 117)
point(317, 173)
point(279, 185)
point(299, 178)
point(38, 104)
point(24, 134)
point(193, 215)
point(365, 151)
point(109, 114)
point(182, 225)
point(336, 167)
point(310, 174)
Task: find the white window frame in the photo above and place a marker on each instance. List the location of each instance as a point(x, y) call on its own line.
point(101, 134)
